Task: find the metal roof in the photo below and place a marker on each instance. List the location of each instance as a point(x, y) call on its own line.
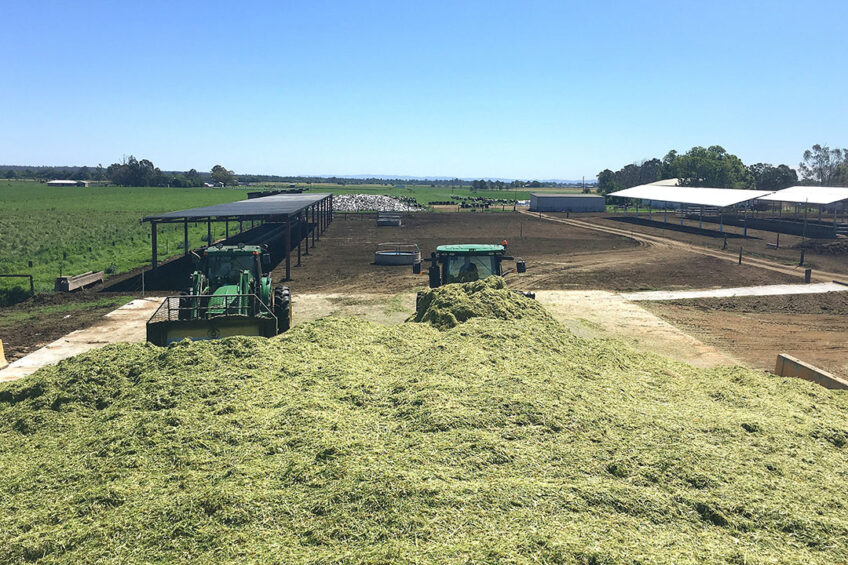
point(572, 195)
point(809, 194)
point(720, 197)
point(276, 205)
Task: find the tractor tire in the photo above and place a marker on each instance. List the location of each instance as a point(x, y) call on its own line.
point(282, 308)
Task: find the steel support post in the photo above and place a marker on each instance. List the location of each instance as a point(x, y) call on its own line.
point(288, 248)
point(312, 224)
point(299, 237)
point(209, 232)
point(185, 237)
point(306, 242)
point(154, 245)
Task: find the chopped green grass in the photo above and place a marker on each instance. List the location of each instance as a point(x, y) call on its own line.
point(492, 441)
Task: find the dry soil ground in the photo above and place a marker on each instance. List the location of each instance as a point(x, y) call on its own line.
point(812, 327)
point(338, 276)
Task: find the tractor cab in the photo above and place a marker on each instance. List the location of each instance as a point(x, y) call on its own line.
point(225, 265)
point(467, 262)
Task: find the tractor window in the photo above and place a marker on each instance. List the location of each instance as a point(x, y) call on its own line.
point(228, 268)
point(467, 268)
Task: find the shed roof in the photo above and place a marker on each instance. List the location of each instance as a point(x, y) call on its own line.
point(571, 195)
point(276, 205)
point(809, 194)
point(720, 197)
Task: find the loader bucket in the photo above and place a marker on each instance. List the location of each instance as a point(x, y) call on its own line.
point(166, 327)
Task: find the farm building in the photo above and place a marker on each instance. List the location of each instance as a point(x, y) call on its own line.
point(566, 203)
point(67, 183)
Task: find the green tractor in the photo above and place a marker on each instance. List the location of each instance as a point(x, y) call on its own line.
point(469, 262)
point(230, 294)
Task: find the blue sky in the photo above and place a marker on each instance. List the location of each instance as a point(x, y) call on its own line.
point(496, 89)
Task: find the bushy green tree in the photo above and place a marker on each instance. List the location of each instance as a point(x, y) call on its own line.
point(824, 165)
point(135, 173)
point(713, 167)
point(224, 176)
point(768, 177)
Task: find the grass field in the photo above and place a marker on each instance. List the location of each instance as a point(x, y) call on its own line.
point(73, 230)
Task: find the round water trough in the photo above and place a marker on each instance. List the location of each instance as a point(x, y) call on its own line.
point(397, 254)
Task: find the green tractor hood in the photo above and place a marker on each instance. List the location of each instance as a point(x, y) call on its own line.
point(220, 303)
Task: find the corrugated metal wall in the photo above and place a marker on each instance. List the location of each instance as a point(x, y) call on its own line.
point(576, 203)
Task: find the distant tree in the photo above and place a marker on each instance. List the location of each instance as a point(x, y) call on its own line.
point(606, 182)
point(650, 171)
point(822, 164)
point(712, 166)
point(224, 176)
point(534, 184)
point(99, 173)
point(10, 174)
point(82, 174)
point(194, 178)
point(768, 177)
point(135, 173)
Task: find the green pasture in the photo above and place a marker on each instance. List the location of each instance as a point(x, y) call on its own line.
point(73, 230)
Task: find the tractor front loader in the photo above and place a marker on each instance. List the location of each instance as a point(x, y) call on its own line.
point(229, 295)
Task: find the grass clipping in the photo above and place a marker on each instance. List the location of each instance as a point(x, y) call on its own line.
point(453, 304)
point(503, 439)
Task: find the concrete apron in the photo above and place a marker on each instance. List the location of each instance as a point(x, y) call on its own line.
point(766, 290)
point(603, 314)
point(126, 324)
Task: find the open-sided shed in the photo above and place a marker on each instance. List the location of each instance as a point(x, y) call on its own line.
point(316, 210)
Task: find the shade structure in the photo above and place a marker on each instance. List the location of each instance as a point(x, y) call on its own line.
point(718, 197)
point(809, 194)
point(266, 206)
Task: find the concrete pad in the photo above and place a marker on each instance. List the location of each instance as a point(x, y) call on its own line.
point(597, 313)
point(380, 308)
point(767, 290)
point(126, 324)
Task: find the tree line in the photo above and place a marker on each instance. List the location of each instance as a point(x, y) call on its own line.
point(129, 172)
point(714, 167)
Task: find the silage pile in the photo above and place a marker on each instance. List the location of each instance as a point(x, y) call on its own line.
point(496, 440)
point(454, 304)
point(371, 203)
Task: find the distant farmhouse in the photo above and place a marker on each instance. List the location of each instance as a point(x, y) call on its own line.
point(67, 183)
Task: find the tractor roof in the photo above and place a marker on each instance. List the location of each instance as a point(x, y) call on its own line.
point(470, 248)
point(235, 250)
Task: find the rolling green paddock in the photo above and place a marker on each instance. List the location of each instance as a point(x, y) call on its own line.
point(55, 228)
